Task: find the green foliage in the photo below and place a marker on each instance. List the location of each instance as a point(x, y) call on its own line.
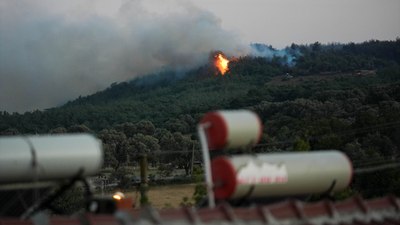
point(144, 200)
point(166, 102)
point(378, 184)
point(301, 145)
point(70, 201)
point(344, 97)
point(200, 192)
point(198, 174)
point(124, 176)
point(186, 202)
point(165, 170)
point(346, 193)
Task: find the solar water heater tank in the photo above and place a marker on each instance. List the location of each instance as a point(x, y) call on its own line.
point(48, 157)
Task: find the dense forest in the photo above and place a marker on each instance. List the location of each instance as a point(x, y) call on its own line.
point(335, 96)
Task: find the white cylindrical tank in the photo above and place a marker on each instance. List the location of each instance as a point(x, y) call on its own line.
point(232, 129)
point(55, 156)
point(280, 174)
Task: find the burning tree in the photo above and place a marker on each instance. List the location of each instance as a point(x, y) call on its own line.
point(221, 62)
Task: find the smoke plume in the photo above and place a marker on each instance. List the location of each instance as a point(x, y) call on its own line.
point(286, 56)
point(54, 51)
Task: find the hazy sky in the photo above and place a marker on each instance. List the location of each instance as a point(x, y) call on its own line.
point(282, 22)
point(54, 51)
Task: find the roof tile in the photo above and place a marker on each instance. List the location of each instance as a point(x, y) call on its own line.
point(353, 211)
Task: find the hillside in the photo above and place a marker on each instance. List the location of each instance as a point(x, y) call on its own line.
point(335, 96)
point(167, 95)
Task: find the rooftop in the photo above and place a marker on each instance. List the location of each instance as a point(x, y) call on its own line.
point(355, 210)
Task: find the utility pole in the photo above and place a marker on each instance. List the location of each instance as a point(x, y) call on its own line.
point(143, 180)
point(191, 166)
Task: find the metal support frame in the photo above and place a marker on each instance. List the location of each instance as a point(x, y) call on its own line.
point(207, 163)
point(47, 200)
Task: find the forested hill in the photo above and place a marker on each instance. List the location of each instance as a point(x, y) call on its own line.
point(166, 98)
point(344, 97)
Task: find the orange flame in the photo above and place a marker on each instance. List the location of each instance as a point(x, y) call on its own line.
point(221, 62)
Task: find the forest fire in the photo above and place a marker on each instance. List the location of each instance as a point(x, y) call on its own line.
point(222, 63)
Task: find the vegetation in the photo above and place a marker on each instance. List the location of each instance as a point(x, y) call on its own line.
point(337, 96)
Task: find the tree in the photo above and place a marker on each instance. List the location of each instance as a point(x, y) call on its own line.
point(58, 130)
point(145, 127)
point(129, 129)
point(177, 125)
point(79, 129)
point(328, 141)
point(354, 150)
point(184, 143)
point(139, 144)
point(123, 175)
point(115, 146)
point(10, 131)
point(71, 201)
point(301, 145)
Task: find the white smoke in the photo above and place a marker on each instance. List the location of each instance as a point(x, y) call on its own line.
point(54, 51)
point(286, 55)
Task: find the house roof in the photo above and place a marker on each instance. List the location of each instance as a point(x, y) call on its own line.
point(355, 210)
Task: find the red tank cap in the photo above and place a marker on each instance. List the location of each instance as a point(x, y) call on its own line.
point(224, 177)
point(217, 131)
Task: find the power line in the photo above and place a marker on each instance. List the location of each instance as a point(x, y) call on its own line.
point(374, 162)
point(376, 168)
point(378, 127)
point(166, 152)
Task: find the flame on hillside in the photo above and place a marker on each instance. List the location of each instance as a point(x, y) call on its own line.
point(222, 63)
